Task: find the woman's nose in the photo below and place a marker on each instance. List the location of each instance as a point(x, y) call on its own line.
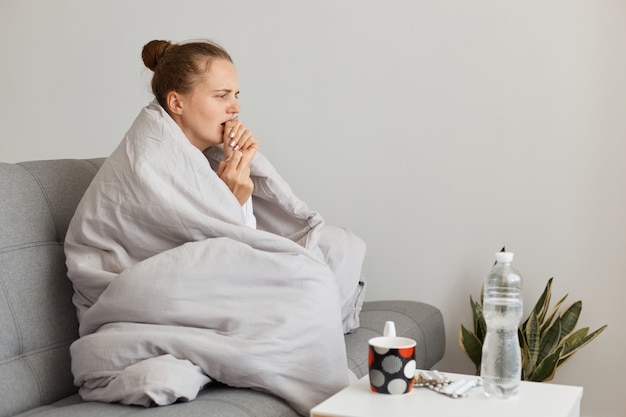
point(234, 106)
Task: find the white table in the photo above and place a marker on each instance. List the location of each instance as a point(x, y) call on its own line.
point(534, 399)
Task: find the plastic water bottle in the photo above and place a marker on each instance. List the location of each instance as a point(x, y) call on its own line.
point(501, 364)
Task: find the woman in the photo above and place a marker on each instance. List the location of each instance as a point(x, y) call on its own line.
point(203, 101)
point(192, 259)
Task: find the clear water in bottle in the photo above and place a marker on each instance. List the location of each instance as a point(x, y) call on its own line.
point(501, 363)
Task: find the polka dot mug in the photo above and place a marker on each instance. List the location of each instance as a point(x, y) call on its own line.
point(391, 363)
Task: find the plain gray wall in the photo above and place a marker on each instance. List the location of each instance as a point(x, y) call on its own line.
point(437, 130)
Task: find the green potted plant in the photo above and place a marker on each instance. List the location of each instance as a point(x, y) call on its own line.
point(547, 337)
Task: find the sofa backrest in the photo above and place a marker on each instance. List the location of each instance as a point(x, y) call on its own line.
point(37, 318)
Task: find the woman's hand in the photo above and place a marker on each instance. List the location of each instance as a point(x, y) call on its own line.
point(238, 138)
point(240, 146)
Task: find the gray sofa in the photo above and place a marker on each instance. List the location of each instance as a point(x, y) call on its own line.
point(38, 321)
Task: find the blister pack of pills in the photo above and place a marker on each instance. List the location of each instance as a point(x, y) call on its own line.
point(441, 384)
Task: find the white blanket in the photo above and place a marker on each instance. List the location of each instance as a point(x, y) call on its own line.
point(172, 289)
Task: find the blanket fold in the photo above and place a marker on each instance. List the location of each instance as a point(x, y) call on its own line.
point(172, 289)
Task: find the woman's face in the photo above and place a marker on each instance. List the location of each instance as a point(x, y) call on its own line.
point(201, 114)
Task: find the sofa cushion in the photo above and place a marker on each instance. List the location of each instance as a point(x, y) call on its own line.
point(218, 401)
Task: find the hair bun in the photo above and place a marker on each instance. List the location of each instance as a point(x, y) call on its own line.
point(153, 51)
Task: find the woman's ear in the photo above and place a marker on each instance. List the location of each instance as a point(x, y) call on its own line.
point(174, 102)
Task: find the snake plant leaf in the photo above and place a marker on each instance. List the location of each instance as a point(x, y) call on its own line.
point(532, 338)
point(569, 318)
point(552, 315)
point(472, 347)
point(480, 327)
point(571, 343)
point(542, 305)
point(576, 341)
point(527, 367)
point(547, 368)
point(549, 340)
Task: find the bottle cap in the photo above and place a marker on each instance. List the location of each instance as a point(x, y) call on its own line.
point(504, 257)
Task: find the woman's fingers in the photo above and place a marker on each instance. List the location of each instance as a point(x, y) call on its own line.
point(233, 161)
point(235, 172)
point(230, 163)
point(240, 147)
point(238, 137)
